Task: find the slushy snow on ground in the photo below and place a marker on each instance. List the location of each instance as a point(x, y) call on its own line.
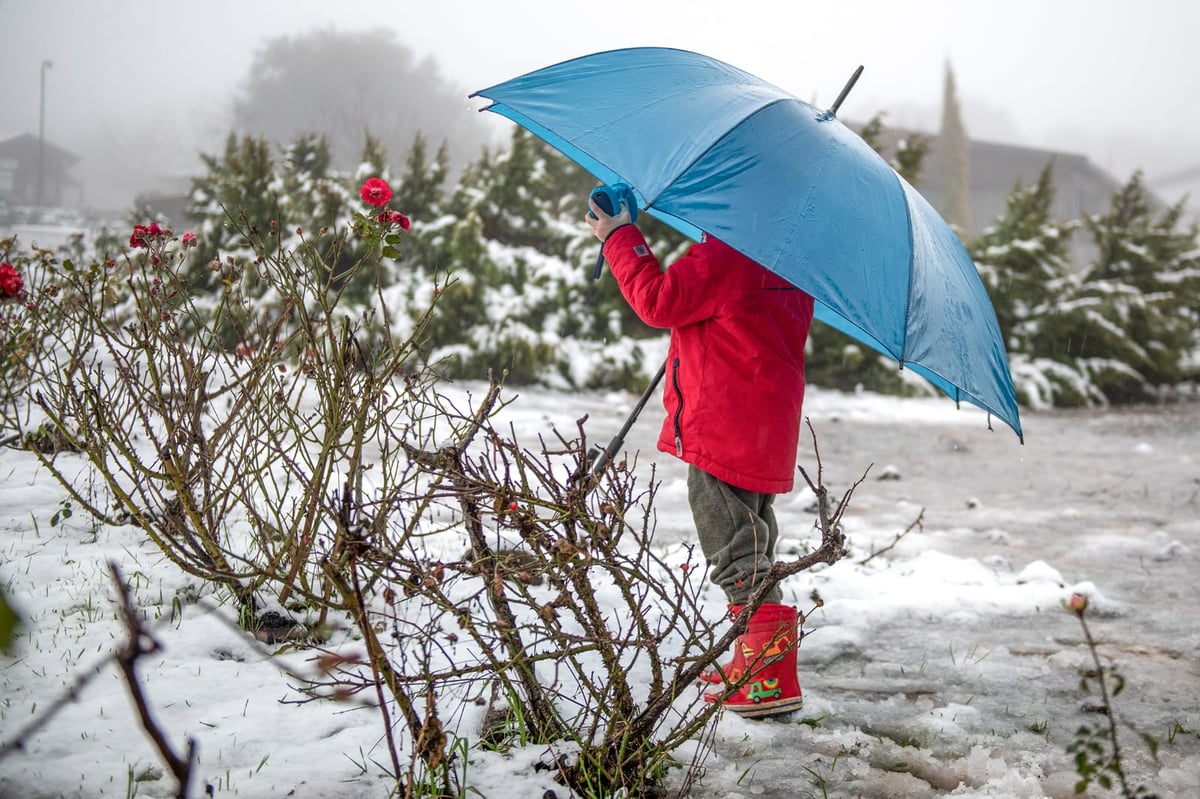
point(945, 666)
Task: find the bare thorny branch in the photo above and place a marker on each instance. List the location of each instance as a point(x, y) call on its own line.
point(916, 524)
point(141, 643)
point(337, 546)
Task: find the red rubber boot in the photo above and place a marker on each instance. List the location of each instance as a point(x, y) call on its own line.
point(764, 662)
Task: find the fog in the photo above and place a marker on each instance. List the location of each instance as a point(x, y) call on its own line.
point(138, 89)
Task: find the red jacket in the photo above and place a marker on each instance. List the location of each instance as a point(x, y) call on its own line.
point(735, 366)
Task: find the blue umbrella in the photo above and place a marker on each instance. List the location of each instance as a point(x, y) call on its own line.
point(710, 148)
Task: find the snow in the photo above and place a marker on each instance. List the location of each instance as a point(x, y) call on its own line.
point(944, 666)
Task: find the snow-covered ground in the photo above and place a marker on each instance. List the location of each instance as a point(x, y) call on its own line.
point(944, 667)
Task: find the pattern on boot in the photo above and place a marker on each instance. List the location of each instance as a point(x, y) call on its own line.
point(761, 679)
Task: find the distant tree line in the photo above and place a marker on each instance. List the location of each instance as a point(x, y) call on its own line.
point(506, 228)
point(509, 235)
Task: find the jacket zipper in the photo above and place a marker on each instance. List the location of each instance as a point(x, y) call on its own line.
point(678, 409)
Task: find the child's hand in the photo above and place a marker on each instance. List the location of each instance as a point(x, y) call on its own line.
point(602, 224)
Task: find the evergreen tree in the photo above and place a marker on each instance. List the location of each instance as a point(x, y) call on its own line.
point(1023, 258)
point(514, 243)
point(421, 190)
point(238, 185)
point(373, 162)
point(910, 151)
point(1144, 277)
point(516, 201)
point(954, 146)
point(1035, 291)
point(308, 194)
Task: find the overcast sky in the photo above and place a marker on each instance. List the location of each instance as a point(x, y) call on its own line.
point(1111, 79)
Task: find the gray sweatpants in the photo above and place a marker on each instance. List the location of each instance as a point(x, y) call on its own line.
point(737, 533)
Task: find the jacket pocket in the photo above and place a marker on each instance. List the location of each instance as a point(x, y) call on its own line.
point(678, 419)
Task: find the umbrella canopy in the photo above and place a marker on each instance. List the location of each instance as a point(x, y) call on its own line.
point(710, 148)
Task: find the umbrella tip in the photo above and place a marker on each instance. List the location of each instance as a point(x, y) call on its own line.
point(833, 109)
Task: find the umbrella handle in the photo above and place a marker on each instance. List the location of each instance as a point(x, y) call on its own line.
point(597, 460)
point(833, 109)
point(599, 264)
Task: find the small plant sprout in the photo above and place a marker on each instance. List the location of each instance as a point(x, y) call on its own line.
point(1097, 750)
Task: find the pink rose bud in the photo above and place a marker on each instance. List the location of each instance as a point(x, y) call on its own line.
point(1077, 603)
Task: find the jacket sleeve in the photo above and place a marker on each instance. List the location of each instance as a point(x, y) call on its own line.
point(682, 294)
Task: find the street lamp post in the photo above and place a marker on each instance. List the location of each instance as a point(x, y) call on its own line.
point(41, 175)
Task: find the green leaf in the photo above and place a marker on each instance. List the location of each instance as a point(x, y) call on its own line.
point(1151, 744)
point(9, 621)
point(391, 252)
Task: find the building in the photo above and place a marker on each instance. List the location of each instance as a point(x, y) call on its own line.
point(36, 172)
point(1080, 187)
point(993, 170)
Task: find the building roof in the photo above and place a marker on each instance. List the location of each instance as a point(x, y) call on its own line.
point(22, 146)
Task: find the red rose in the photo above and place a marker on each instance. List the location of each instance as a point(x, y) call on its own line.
point(143, 233)
point(10, 281)
point(188, 240)
point(375, 192)
point(391, 217)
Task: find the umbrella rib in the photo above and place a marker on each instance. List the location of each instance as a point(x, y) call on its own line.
point(908, 214)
